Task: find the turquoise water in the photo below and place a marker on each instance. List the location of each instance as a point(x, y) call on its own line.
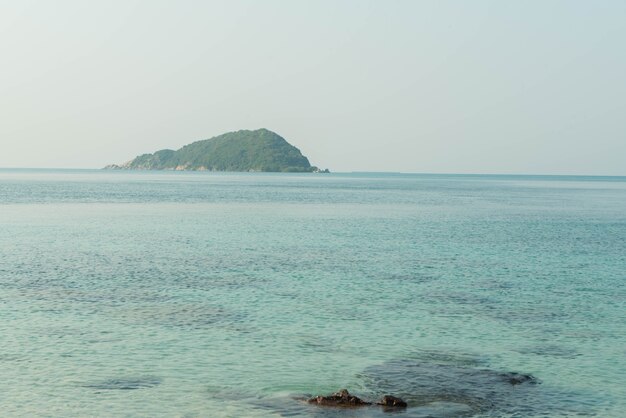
point(203, 294)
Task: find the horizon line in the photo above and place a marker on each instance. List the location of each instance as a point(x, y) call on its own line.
point(331, 172)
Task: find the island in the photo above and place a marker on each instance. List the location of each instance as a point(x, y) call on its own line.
point(245, 150)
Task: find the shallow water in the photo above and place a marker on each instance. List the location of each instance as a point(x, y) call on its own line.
point(203, 294)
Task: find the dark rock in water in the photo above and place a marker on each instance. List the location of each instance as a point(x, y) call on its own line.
point(518, 378)
point(392, 401)
point(343, 399)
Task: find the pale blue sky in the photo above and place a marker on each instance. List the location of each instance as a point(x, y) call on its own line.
point(415, 86)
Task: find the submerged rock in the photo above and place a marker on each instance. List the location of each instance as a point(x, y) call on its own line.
point(131, 383)
point(392, 401)
point(441, 385)
point(343, 399)
point(432, 381)
point(518, 378)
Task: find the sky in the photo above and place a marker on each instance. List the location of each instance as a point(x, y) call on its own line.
point(511, 87)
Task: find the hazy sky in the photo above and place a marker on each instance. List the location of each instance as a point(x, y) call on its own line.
point(416, 86)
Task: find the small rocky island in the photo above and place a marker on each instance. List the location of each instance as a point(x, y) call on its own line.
point(258, 150)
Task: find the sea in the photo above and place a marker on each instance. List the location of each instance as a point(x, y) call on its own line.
point(198, 294)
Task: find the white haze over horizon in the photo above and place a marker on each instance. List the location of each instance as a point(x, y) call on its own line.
point(533, 87)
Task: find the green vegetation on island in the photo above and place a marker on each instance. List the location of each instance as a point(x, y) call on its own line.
point(259, 150)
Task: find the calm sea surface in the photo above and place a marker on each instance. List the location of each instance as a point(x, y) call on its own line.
point(228, 295)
